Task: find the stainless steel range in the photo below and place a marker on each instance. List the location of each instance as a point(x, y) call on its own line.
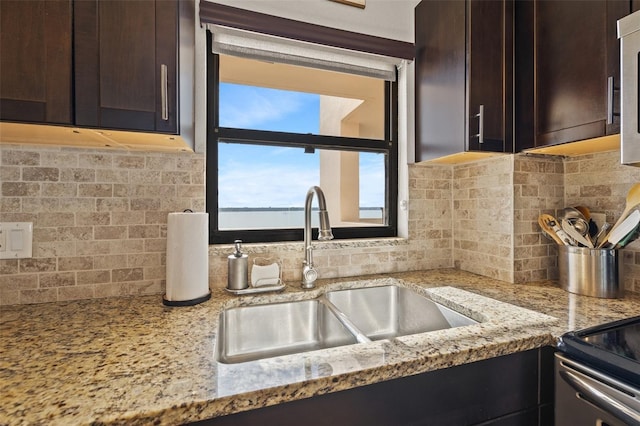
point(598, 375)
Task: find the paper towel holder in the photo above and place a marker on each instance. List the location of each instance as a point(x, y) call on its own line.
point(195, 279)
point(186, 302)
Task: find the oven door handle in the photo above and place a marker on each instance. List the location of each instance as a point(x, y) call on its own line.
point(600, 399)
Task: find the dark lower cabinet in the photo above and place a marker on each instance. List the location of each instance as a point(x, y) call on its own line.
point(511, 390)
point(36, 61)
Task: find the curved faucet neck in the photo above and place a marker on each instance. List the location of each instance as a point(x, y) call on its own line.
point(324, 231)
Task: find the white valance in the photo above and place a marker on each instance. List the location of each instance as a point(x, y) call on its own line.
point(246, 44)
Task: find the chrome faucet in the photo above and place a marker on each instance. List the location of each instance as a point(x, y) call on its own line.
point(309, 273)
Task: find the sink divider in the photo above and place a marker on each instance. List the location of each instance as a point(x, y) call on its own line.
point(344, 320)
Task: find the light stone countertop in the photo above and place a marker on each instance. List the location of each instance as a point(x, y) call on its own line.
point(136, 361)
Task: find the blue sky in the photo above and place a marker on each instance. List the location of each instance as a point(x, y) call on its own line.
point(262, 176)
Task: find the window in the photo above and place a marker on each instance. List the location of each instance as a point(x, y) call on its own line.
point(276, 129)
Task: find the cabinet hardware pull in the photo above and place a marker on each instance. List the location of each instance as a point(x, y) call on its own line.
point(164, 81)
point(611, 89)
point(480, 117)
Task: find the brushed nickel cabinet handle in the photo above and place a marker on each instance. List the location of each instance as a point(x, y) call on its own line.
point(480, 117)
point(611, 89)
point(164, 81)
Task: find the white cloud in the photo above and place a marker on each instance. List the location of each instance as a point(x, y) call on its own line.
point(270, 186)
point(251, 107)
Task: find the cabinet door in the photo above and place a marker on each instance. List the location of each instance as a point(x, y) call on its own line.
point(440, 78)
point(35, 61)
point(490, 63)
point(125, 64)
point(575, 55)
point(463, 60)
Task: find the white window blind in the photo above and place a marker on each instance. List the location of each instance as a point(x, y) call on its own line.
point(246, 44)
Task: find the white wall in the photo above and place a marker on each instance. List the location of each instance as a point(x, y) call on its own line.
point(383, 18)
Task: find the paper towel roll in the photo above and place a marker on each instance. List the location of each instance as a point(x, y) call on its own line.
point(187, 259)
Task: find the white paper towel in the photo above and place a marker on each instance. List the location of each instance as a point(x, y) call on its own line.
point(187, 256)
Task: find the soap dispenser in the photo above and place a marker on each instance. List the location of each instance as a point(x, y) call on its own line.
point(238, 268)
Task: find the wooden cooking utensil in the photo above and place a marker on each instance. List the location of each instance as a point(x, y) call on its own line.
point(550, 227)
point(633, 200)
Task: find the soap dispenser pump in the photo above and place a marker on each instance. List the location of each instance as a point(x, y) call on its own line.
point(238, 268)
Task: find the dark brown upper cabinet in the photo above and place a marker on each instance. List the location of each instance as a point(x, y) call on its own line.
point(576, 69)
point(464, 77)
point(36, 61)
point(125, 64)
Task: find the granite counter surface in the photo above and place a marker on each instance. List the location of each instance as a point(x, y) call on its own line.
point(135, 361)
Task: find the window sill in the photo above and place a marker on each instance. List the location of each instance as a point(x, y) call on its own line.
point(220, 249)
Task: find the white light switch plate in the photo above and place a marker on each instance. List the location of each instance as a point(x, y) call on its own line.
point(16, 240)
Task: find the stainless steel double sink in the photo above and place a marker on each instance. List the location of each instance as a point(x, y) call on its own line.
point(337, 318)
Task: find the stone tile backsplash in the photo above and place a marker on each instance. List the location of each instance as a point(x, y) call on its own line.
point(100, 220)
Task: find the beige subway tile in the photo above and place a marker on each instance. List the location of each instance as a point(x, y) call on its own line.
point(40, 205)
point(76, 293)
point(190, 191)
point(54, 249)
point(96, 160)
point(111, 290)
point(89, 248)
point(129, 162)
point(93, 218)
point(10, 204)
point(20, 189)
point(93, 277)
point(145, 204)
point(154, 272)
point(113, 176)
point(9, 174)
point(79, 263)
point(155, 245)
point(143, 259)
point(41, 174)
point(77, 175)
point(144, 231)
point(12, 157)
point(9, 266)
point(59, 159)
point(102, 190)
point(110, 232)
point(30, 265)
point(41, 295)
point(159, 191)
point(55, 219)
point(110, 261)
point(145, 176)
point(9, 297)
point(164, 162)
point(56, 279)
point(176, 177)
point(190, 163)
point(127, 274)
point(139, 288)
point(75, 233)
point(112, 204)
point(59, 189)
point(156, 217)
point(127, 246)
point(18, 282)
point(128, 218)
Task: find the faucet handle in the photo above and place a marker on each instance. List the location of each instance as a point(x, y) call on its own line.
point(309, 276)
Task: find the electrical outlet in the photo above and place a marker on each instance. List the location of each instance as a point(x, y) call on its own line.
point(16, 240)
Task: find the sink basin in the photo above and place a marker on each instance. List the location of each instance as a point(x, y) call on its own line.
point(390, 311)
point(340, 317)
point(262, 331)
